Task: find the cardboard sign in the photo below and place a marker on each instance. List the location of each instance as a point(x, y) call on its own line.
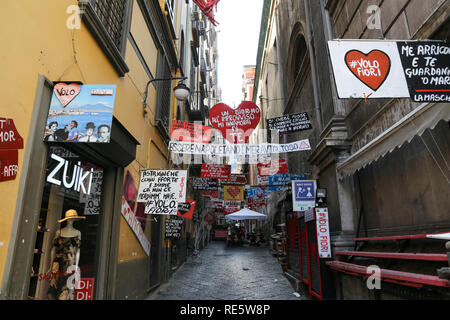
point(204, 184)
point(162, 190)
point(233, 193)
point(186, 209)
point(135, 225)
point(9, 136)
point(172, 228)
point(235, 180)
point(80, 117)
point(236, 125)
point(426, 68)
point(215, 171)
point(9, 164)
point(190, 132)
point(290, 123)
point(368, 69)
point(323, 233)
point(85, 291)
point(303, 195)
point(273, 167)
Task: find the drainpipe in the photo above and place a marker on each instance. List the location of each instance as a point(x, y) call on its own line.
point(313, 66)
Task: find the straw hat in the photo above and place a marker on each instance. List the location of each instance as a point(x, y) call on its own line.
point(71, 214)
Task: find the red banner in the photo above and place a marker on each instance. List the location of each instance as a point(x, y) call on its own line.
point(273, 167)
point(86, 290)
point(210, 193)
point(190, 132)
point(215, 171)
point(206, 6)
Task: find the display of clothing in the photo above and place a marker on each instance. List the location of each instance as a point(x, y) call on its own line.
point(65, 256)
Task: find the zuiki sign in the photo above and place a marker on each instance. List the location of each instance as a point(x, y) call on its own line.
point(78, 179)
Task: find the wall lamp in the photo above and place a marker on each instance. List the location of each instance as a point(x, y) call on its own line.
point(181, 91)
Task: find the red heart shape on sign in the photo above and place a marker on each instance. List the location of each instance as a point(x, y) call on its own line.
point(372, 68)
point(66, 92)
point(236, 125)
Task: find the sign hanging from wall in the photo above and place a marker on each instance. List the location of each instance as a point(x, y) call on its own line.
point(135, 225)
point(233, 193)
point(215, 171)
point(190, 132)
point(172, 228)
point(273, 167)
point(281, 179)
point(391, 69)
point(186, 209)
point(205, 184)
point(162, 190)
point(290, 123)
point(323, 233)
point(80, 113)
point(303, 194)
point(10, 142)
point(207, 6)
point(235, 125)
point(235, 179)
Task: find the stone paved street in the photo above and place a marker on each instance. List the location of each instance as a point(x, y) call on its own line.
point(228, 273)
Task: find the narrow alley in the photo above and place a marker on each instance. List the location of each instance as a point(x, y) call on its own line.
point(229, 273)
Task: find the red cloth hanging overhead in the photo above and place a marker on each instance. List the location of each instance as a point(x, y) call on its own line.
point(206, 6)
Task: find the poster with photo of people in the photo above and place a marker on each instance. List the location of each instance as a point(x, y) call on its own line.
point(80, 113)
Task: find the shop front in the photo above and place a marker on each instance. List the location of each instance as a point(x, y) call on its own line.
point(65, 238)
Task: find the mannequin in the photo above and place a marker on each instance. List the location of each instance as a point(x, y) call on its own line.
point(65, 256)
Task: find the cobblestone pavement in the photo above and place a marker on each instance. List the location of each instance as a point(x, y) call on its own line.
point(228, 273)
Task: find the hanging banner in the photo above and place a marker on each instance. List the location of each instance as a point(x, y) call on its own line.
point(233, 193)
point(236, 125)
point(80, 113)
point(215, 171)
point(273, 167)
point(204, 184)
point(206, 6)
point(190, 132)
point(290, 123)
point(235, 180)
point(278, 188)
point(210, 193)
point(135, 225)
point(186, 209)
point(303, 195)
point(257, 192)
point(391, 69)
point(323, 233)
point(262, 181)
point(162, 190)
point(226, 150)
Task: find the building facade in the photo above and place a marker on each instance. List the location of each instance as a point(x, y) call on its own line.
point(363, 151)
point(133, 45)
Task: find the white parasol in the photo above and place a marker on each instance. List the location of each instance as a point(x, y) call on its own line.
point(245, 214)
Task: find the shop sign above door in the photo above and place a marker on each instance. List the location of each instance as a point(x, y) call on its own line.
point(80, 113)
point(10, 142)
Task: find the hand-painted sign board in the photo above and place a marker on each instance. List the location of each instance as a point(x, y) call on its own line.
point(215, 171)
point(391, 69)
point(235, 179)
point(236, 125)
point(186, 209)
point(273, 167)
point(190, 132)
point(290, 123)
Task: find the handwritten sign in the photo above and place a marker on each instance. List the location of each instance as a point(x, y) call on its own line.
point(215, 171)
point(290, 123)
point(426, 66)
point(191, 132)
point(8, 164)
point(186, 209)
point(204, 184)
point(323, 233)
point(233, 193)
point(236, 125)
point(273, 167)
point(235, 180)
point(66, 92)
point(162, 190)
point(172, 228)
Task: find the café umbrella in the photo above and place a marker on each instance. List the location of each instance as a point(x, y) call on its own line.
point(245, 214)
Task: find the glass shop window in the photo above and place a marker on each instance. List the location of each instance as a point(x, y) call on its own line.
point(66, 249)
